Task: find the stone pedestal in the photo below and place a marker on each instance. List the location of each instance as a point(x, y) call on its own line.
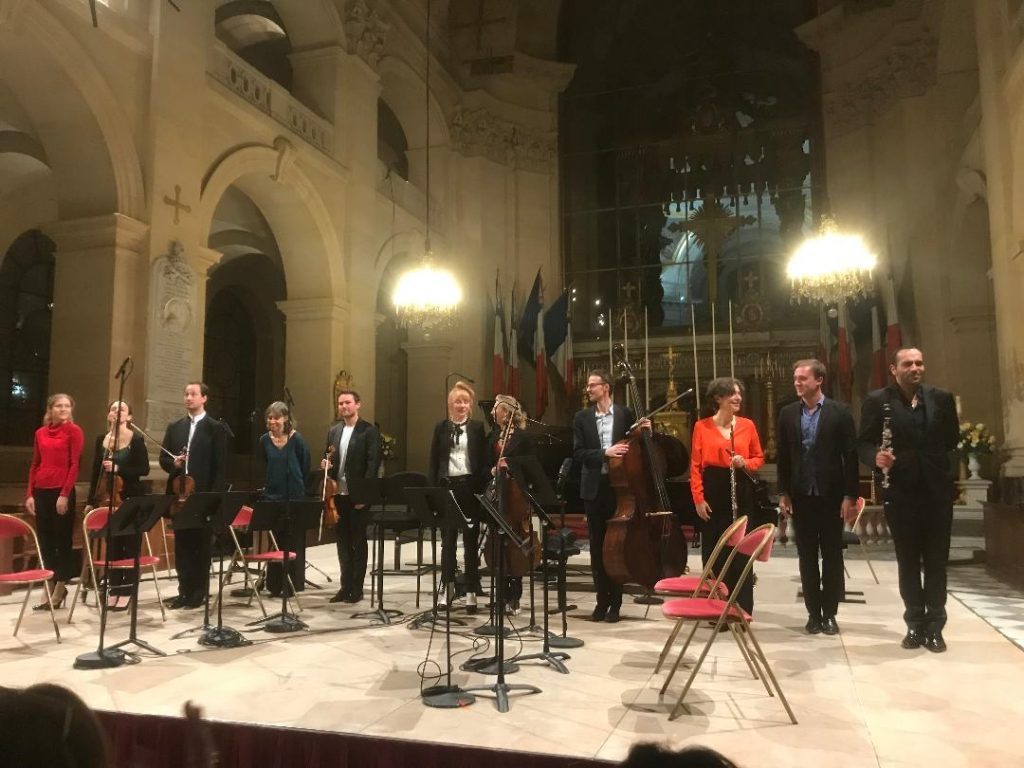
point(974, 494)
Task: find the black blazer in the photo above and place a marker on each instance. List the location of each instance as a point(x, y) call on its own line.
point(834, 450)
point(130, 472)
point(207, 455)
point(930, 470)
point(519, 444)
point(586, 445)
point(479, 458)
point(362, 459)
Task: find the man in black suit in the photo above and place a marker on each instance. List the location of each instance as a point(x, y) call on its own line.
point(199, 445)
point(921, 466)
point(596, 432)
point(817, 470)
point(356, 444)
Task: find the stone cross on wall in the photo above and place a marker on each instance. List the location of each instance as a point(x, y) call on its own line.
point(482, 28)
point(176, 203)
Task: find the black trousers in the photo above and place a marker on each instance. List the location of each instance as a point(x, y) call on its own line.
point(353, 548)
point(295, 541)
point(55, 533)
point(718, 495)
point(599, 511)
point(463, 492)
point(818, 526)
point(121, 580)
point(192, 551)
point(921, 531)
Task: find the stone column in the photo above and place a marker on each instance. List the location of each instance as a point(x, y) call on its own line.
point(99, 305)
point(315, 351)
point(428, 362)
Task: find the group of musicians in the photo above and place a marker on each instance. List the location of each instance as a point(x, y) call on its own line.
point(908, 434)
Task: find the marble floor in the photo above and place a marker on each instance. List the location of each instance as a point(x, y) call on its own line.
point(861, 700)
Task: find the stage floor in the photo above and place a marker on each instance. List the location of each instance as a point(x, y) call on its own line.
point(861, 700)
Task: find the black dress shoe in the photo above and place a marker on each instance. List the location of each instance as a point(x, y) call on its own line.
point(813, 625)
point(829, 626)
point(913, 639)
point(341, 596)
point(355, 597)
point(613, 615)
point(175, 602)
point(195, 602)
point(935, 643)
point(599, 613)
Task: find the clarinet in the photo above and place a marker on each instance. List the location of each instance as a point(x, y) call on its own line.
point(886, 439)
point(732, 468)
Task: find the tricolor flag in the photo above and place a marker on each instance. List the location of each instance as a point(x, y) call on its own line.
point(558, 339)
point(540, 389)
point(844, 360)
point(893, 332)
point(513, 352)
point(498, 359)
point(878, 367)
point(824, 350)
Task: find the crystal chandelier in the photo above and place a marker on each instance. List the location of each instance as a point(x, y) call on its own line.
point(831, 267)
point(426, 296)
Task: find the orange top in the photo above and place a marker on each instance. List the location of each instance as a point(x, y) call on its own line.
point(711, 449)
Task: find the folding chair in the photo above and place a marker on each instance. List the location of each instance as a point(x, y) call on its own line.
point(15, 528)
point(757, 546)
point(94, 528)
point(696, 586)
point(851, 537)
point(274, 555)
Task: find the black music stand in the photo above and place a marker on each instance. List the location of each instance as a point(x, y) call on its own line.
point(369, 491)
point(430, 506)
point(436, 508)
point(287, 515)
point(221, 636)
point(534, 482)
point(500, 688)
point(202, 510)
point(529, 475)
point(133, 518)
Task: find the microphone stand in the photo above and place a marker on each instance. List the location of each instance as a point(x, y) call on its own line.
point(107, 658)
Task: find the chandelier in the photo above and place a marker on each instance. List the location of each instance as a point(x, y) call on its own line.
point(831, 267)
point(426, 296)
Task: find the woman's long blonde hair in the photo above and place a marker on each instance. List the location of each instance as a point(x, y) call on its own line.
point(47, 418)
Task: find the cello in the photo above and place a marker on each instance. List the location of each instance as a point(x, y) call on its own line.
point(643, 542)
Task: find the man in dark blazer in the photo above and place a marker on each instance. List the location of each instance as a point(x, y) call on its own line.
point(356, 454)
point(459, 460)
point(198, 444)
point(818, 486)
point(921, 465)
point(596, 432)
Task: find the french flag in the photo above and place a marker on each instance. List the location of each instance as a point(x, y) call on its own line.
point(498, 359)
point(877, 351)
point(540, 359)
point(893, 332)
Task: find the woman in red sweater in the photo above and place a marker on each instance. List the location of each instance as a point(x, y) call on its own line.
point(722, 439)
point(51, 490)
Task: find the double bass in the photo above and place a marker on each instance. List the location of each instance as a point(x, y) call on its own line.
point(644, 542)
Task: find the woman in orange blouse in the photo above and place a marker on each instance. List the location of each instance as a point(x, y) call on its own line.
point(721, 439)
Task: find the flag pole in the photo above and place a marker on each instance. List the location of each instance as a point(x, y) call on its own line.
point(693, 332)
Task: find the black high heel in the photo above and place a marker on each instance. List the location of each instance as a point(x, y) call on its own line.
point(44, 606)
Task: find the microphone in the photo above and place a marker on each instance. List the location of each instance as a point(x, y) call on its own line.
point(123, 368)
point(563, 476)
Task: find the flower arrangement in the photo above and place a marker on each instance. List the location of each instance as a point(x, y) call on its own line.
point(975, 439)
point(388, 445)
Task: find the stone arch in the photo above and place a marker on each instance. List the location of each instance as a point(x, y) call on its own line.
point(292, 206)
point(98, 172)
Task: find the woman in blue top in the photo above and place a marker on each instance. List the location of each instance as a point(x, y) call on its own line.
point(287, 457)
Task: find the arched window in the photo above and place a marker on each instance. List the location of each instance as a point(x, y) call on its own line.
point(392, 145)
point(254, 30)
point(26, 309)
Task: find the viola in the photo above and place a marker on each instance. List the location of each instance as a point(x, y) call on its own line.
point(644, 543)
point(329, 491)
point(107, 496)
point(182, 487)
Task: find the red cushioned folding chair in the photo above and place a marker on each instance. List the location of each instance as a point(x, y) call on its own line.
point(757, 546)
point(12, 527)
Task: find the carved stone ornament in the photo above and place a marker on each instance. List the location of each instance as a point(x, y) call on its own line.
point(477, 132)
point(342, 381)
point(367, 32)
point(906, 70)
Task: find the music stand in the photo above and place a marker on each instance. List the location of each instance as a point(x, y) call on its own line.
point(500, 688)
point(369, 491)
point(436, 508)
point(431, 509)
point(221, 636)
point(199, 511)
point(133, 518)
point(287, 514)
point(534, 482)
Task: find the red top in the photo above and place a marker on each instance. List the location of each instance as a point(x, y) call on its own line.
point(55, 457)
point(711, 449)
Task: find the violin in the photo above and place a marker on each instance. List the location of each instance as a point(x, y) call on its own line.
point(644, 543)
point(182, 487)
point(329, 491)
point(107, 496)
